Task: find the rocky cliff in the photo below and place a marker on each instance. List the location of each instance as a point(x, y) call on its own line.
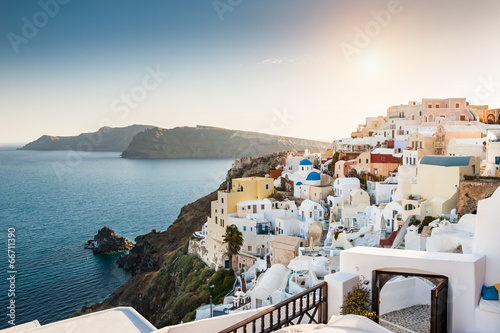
point(161, 288)
point(212, 142)
point(105, 139)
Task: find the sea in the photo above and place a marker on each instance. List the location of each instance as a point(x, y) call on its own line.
point(52, 202)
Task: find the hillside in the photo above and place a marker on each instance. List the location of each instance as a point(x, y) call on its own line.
point(105, 139)
point(167, 284)
point(211, 142)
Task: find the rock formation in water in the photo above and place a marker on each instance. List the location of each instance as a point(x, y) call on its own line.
point(212, 142)
point(106, 241)
point(105, 139)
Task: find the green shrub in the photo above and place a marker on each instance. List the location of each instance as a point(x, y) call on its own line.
point(358, 302)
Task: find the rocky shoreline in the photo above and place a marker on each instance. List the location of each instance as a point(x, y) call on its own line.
point(151, 260)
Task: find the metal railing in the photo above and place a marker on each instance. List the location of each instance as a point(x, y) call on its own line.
point(282, 314)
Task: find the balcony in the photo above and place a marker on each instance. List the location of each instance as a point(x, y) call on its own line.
point(438, 145)
point(311, 302)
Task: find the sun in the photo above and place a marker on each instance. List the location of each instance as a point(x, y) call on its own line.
point(370, 64)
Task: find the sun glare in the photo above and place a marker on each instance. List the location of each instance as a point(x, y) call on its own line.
point(370, 64)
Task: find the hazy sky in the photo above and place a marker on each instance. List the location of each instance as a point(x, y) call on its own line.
point(312, 69)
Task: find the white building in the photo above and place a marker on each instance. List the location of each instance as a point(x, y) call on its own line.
point(382, 192)
point(467, 147)
point(492, 154)
point(341, 189)
point(256, 220)
point(275, 278)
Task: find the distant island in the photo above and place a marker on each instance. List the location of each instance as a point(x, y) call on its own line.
point(213, 142)
point(149, 142)
point(105, 139)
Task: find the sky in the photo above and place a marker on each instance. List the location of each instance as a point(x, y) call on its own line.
point(311, 69)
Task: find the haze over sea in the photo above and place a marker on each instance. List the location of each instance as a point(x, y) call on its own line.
point(57, 200)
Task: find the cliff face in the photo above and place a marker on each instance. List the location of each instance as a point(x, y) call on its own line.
point(211, 142)
point(150, 250)
point(159, 289)
point(105, 139)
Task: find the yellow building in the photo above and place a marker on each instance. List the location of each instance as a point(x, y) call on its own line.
point(435, 190)
point(422, 142)
point(369, 127)
point(363, 163)
point(242, 189)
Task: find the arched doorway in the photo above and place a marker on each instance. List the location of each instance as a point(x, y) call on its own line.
point(407, 291)
point(490, 119)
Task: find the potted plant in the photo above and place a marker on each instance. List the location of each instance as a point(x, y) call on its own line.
point(358, 302)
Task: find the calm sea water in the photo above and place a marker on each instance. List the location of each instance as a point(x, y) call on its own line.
point(57, 200)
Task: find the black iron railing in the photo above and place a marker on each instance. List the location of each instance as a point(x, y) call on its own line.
point(311, 303)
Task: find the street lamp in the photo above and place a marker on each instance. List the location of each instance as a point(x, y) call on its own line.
point(211, 307)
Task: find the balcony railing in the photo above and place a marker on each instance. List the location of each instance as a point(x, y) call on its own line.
point(282, 314)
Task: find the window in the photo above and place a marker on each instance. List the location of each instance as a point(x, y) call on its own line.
point(244, 228)
point(222, 200)
point(462, 117)
point(457, 105)
point(420, 113)
point(375, 171)
point(261, 206)
point(413, 117)
point(420, 144)
point(251, 229)
point(367, 161)
point(249, 248)
point(226, 264)
point(429, 106)
point(267, 186)
point(409, 207)
point(222, 211)
point(216, 220)
point(383, 159)
point(249, 207)
point(311, 214)
point(497, 159)
point(437, 106)
point(359, 161)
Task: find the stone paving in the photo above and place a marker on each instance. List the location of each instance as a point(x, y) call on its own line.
point(413, 319)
